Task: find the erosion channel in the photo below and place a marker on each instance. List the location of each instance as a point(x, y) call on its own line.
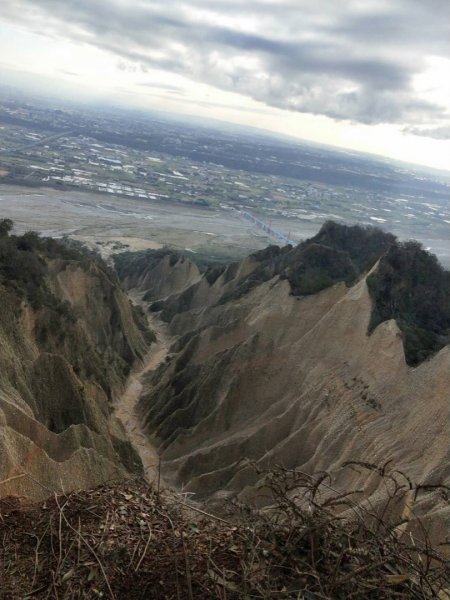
point(126, 406)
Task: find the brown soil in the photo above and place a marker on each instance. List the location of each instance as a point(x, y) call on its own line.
point(127, 541)
point(118, 542)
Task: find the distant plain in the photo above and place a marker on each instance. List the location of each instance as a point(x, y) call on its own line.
point(116, 224)
point(119, 180)
point(135, 223)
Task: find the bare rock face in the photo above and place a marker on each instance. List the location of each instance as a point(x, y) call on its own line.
point(260, 373)
point(66, 348)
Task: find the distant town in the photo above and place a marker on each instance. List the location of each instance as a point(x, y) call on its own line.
point(129, 155)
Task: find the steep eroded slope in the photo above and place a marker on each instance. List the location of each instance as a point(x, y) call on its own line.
point(274, 364)
point(68, 337)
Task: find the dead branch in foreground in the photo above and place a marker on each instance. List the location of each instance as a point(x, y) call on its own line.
point(128, 541)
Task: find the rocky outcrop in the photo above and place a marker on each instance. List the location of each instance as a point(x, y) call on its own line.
point(64, 356)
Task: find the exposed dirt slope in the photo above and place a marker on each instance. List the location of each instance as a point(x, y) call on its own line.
point(260, 374)
point(62, 364)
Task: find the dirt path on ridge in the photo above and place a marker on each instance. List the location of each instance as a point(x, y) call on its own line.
point(126, 405)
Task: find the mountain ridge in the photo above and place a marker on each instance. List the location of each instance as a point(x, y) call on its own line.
point(260, 373)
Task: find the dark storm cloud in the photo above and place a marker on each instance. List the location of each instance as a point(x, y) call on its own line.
point(353, 60)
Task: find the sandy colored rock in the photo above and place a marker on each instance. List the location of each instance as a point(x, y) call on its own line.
point(61, 369)
point(293, 381)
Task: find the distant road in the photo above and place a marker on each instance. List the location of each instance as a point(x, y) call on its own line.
point(50, 138)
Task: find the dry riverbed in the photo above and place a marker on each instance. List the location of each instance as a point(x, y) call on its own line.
point(126, 406)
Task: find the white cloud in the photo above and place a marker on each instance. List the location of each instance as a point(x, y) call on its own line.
point(357, 62)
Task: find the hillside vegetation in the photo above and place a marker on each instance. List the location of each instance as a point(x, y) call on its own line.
point(411, 287)
point(23, 266)
point(337, 253)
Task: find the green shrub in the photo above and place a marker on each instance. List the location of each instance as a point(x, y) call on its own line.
point(411, 287)
point(23, 265)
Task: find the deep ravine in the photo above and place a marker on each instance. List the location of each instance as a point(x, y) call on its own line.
point(126, 405)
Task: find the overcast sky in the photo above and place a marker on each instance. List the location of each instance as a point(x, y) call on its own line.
point(372, 75)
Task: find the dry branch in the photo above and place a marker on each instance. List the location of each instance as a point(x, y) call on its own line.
point(129, 541)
